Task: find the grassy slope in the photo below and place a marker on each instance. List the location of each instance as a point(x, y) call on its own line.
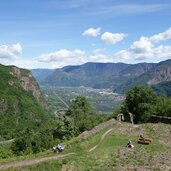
point(111, 153)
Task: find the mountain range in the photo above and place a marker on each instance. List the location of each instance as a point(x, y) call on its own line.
point(118, 76)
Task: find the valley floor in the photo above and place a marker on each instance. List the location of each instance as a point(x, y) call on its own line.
point(106, 150)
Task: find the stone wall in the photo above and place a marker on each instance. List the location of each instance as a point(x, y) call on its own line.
point(157, 119)
point(97, 129)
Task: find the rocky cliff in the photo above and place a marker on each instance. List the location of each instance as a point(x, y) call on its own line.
point(27, 82)
point(21, 103)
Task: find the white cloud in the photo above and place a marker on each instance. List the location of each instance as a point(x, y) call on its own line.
point(60, 55)
point(9, 52)
point(112, 38)
point(92, 32)
point(161, 36)
point(98, 58)
point(11, 55)
point(142, 46)
point(148, 49)
point(65, 57)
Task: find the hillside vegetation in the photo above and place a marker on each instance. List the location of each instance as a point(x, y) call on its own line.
point(110, 152)
point(20, 102)
point(143, 102)
point(25, 121)
point(24, 118)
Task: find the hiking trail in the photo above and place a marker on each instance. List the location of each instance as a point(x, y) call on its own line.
point(56, 157)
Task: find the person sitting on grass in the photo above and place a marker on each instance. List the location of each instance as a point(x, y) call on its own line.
point(60, 148)
point(130, 145)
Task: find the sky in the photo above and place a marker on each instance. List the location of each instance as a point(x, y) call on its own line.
point(56, 33)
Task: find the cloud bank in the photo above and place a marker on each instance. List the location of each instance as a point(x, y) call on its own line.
point(9, 52)
point(148, 48)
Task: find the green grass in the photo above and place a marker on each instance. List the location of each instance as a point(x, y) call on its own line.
point(111, 153)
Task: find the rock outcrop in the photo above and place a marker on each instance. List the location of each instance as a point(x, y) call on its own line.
point(29, 84)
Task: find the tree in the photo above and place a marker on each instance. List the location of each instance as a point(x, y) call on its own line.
point(163, 107)
point(65, 128)
point(84, 116)
point(5, 153)
point(32, 142)
point(140, 101)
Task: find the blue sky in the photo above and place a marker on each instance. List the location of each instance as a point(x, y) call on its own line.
point(55, 33)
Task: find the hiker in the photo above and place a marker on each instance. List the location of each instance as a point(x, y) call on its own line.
point(130, 145)
point(59, 148)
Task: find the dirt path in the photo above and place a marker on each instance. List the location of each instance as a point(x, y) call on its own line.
point(31, 162)
point(56, 157)
point(6, 142)
point(36, 161)
point(102, 137)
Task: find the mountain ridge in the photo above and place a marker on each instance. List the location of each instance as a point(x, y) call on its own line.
point(161, 72)
point(117, 76)
point(96, 75)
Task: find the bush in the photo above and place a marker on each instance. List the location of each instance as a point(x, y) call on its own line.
point(140, 102)
point(5, 153)
point(84, 116)
point(30, 142)
point(143, 102)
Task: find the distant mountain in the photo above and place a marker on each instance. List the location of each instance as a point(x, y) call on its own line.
point(41, 74)
point(96, 75)
point(159, 73)
point(137, 69)
point(21, 103)
point(119, 76)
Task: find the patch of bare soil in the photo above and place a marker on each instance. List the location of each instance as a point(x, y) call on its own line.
point(163, 161)
point(136, 159)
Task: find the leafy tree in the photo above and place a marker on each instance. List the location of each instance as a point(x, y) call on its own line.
point(5, 153)
point(22, 144)
point(163, 106)
point(65, 128)
point(84, 116)
point(32, 142)
point(140, 101)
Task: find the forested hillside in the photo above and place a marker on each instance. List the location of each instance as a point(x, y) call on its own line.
point(21, 103)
